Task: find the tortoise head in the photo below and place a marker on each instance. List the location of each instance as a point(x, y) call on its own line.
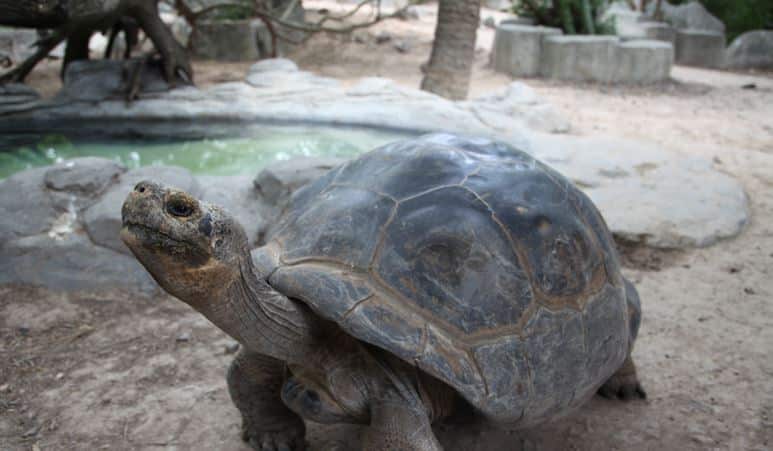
point(191, 248)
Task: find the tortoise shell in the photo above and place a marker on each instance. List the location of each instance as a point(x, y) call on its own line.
point(467, 258)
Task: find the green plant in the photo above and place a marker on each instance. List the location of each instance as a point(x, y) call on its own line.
point(572, 16)
point(233, 10)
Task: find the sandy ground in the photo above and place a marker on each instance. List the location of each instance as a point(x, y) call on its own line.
point(107, 371)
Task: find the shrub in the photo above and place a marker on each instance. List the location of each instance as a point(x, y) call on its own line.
point(572, 16)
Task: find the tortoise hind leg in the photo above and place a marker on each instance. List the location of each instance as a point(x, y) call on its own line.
point(254, 383)
point(624, 384)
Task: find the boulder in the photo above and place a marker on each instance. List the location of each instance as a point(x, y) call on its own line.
point(518, 100)
point(72, 262)
point(751, 50)
point(646, 194)
point(17, 97)
point(700, 48)
point(97, 80)
point(25, 206)
point(276, 183)
point(87, 176)
point(103, 219)
point(517, 49)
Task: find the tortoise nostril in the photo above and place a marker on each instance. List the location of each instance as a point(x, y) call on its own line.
point(140, 187)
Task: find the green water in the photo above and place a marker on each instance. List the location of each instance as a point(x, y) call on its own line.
point(242, 155)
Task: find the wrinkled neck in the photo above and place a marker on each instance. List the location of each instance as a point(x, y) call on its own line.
point(262, 319)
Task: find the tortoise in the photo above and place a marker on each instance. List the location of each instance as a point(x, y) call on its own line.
point(427, 278)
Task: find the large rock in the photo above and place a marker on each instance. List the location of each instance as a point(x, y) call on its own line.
point(81, 181)
point(43, 200)
point(96, 80)
point(517, 49)
point(276, 183)
point(277, 95)
point(71, 262)
point(103, 219)
point(518, 100)
point(700, 48)
point(580, 58)
point(751, 50)
point(16, 97)
point(25, 206)
point(648, 195)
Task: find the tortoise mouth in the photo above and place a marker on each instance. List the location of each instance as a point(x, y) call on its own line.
point(145, 234)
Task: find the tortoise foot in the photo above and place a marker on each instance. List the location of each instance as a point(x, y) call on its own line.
point(624, 384)
point(286, 440)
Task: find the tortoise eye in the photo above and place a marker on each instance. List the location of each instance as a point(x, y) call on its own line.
point(179, 207)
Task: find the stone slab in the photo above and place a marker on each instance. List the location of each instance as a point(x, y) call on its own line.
point(517, 49)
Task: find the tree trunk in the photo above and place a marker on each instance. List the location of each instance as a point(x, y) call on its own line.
point(448, 72)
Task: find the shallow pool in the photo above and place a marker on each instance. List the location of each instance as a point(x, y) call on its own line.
point(242, 151)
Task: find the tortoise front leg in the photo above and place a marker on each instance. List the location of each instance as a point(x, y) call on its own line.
point(396, 425)
point(254, 383)
point(399, 418)
point(624, 384)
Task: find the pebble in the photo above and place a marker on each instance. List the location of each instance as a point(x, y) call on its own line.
point(183, 337)
point(231, 348)
point(383, 37)
point(402, 47)
point(24, 329)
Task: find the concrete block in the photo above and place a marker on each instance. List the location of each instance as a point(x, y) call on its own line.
point(702, 48)
point(579, 58)
point(237, 40)
point(518, 20)
point(517, 49)
point(644, 61)
point(660, 31)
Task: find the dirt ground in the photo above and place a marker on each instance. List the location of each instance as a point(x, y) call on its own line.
point(108, 371)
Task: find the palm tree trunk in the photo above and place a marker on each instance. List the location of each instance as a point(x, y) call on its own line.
point(448, 72)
